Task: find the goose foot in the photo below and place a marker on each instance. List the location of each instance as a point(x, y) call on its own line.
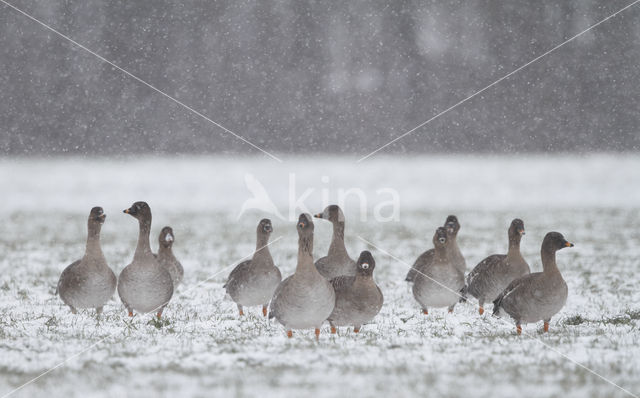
point(317, 334)
point(240, 310)
point(480, 310)
point(130, 313)
point(289, 334)
point(356, 329)
point(519, 329)
point(426, 312)
point(333, 330)
point(546, 326)
point(264, 310)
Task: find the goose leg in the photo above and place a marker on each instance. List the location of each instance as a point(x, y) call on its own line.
point(264, 310)
point(425, 311)
point(546, 325)
point(317, 334)
point(159, 313)
point(129, 310)
point(240, 310)
point(518, 329)
point(356, 329)
point(333, 328)
point(451, 309)
point(289, 333)
point(73, 310)
point(481, 306)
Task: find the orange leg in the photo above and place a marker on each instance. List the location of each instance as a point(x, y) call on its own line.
point(480, 310)
point(425, 312)
point(356, 329)
point(333, 330)
point(240, 310)
point(289, 334)
point(159, 314)
point(317, 334)
point(519, 329)
point(264, 310)
point(130, 313)
point(450, 310)
point(546, 326)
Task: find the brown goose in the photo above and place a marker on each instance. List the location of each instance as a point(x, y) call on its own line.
point(305, 299)
point(166, 258)
point(144, 285)
point(493, 274)
point(538, 296)
point(439, 283)
point(358, 298)
point(253, 282)
point(337, 262)
point(453, 226)
point(88, 282)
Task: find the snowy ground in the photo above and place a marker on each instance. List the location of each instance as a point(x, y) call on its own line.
point(203, 348)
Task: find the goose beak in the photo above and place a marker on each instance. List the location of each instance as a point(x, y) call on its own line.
point(102, 217)
point(521, 232)
point(568, 244)
point(319, 215)
point(126, 211)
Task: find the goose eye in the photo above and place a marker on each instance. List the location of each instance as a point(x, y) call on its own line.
point(365, 266)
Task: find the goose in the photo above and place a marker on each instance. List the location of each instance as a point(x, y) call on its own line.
point(337, 262)
point(144, 285)
point(305, 299)
point(493, 274)
point(166, 258)
point(453, 226)
point(253, 282)
point(358, 298)
point(88, 282)
point(440, 281)
point(540, 295)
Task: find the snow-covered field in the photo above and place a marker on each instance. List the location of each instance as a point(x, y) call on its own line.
point(202, 348)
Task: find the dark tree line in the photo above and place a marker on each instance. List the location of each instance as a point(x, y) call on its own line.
point(323, 76)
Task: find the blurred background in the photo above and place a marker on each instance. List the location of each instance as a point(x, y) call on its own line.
point(317, 76)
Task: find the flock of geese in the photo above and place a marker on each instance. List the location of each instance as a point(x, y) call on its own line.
point(335, 288)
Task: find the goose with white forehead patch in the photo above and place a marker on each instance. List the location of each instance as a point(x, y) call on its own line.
point(540, 295)
point(439, 283)
point(452, 226)
point(358, 298)
point(305, 299)
point(144, 285)
point(88, 282)
point(253, 282)
point(167, 259)
point(337, 262)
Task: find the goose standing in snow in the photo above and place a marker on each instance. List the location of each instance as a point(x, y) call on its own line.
point(440, 281)
point(253, 282)
point(88, 282)
point(305, 299)
point(358, 298)
point(144, 285)
point(540, 295)
point(493, 274)
point(337, 262)
point(166, 258)
point(457, 259)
